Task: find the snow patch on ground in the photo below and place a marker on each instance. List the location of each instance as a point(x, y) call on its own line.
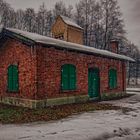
point(98, 125)
point(133, 89)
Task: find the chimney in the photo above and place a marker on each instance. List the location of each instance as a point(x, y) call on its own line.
point(114, 45)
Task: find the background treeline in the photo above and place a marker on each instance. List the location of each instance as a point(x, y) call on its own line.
point(101, 20)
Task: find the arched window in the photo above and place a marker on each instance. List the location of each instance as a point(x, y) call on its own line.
point(112, 78)
point(13, 85)
point(68, 77)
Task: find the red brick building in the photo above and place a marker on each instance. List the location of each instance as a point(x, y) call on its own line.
point(38, 71)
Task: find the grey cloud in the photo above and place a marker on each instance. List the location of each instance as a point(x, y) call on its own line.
point(130, 9)
point(136, 10)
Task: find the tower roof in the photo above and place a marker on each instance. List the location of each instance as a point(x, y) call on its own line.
point(70, 22)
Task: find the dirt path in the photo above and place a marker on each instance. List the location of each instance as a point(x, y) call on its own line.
point(100, 125)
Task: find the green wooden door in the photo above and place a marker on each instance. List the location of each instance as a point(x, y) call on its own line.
point(72, 77)
point(112, 78)
point(68, 77)
point(10, 78)
point(93, 83)
point(13, 78)
point(65, 77)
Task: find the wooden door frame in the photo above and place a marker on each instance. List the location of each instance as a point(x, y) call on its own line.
point(95, 68)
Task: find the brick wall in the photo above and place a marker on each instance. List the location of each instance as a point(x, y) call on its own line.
point(114, 46)
point(49, 65)
point(14, 52)
point(40, 71)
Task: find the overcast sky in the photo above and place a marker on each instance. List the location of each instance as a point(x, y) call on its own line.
point(129, 8)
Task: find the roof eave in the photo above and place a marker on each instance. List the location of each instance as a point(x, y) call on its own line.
point(86, 52)
point(72, 48)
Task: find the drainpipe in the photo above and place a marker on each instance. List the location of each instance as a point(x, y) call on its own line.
point(34, 63)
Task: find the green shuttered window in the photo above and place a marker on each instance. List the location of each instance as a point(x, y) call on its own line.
point(68, 77)
point(112, 78)
point(13, 85)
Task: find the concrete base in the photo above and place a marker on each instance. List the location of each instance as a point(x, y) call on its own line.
point(56, 101)
point(23, 102)
point(112, 95)
point(43, 103)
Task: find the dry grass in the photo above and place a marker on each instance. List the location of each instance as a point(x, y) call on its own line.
point(10, 114)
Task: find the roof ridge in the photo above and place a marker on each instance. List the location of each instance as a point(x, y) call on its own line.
point(70, 21)
point(67, 45)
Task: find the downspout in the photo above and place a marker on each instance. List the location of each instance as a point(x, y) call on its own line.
point(36, 80)
point(124, 75)
point(67, 33)
point(34, 63)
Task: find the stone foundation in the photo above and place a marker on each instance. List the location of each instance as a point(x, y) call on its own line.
point(43, 103)
point(23, 102)
point(57, 101)
point(111, 96)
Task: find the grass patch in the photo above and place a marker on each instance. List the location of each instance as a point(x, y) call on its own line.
point(10, 114)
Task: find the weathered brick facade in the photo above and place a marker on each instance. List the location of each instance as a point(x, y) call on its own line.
point(14, 52)
point(39, 67)
point(50, 60)
point(40, 71)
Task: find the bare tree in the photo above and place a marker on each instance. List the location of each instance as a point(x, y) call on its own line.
point(112, 21)
point(29, 20)
point(20, 14)
point(61, 9)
